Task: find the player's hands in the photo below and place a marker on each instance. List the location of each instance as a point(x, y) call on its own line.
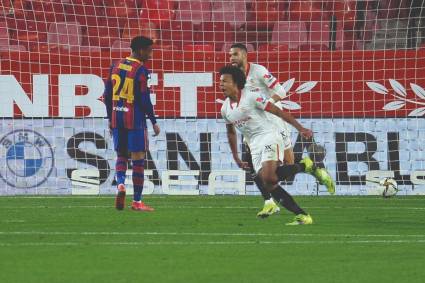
point(156, 130)
point(306, 133)
point(242, 164)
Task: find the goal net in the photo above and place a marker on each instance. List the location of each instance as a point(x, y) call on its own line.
point(354, 72)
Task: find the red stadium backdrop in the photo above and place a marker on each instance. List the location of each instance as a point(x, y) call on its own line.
point(342, 89)
point(365, 107)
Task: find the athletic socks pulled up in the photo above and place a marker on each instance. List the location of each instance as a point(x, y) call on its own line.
point(120, 169)
point(286, 171)
point(286, 200)
point(138, 178)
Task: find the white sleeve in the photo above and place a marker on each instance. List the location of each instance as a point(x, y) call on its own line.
point(270, 81)
point(259, 101)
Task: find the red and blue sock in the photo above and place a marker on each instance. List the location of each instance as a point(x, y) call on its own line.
point(120, 169)
point(138, 178)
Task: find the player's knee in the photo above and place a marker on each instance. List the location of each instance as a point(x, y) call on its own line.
point(289, 157)
point(123, 154)
point(270, 179)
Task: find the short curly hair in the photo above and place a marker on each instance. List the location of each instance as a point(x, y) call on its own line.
point(237, 75)
point(140, 42)
point(240, 46)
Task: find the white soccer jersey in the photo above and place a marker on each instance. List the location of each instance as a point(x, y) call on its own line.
point(248, 116)
point(258, 77)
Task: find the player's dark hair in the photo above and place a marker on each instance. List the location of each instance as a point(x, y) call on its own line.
point(240, 46)
point(237, 75)
point(140, 42)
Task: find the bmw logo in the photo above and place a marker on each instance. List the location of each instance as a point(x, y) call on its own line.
point(27, 157)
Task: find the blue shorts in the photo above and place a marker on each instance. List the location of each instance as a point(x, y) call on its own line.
point(130, 140)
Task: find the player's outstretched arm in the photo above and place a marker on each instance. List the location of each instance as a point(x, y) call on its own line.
point(307, 133)
point(233, 143)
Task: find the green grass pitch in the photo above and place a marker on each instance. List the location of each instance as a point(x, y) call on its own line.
point(211, 239)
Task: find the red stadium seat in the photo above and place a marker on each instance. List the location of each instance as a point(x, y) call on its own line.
point(249, 47)
point(47, 10)
point(320, 37)
point(28, 33)
point(6, 8)
point(199, 47)
point(64, 35)
point(217, 34)
point(293, 34)
point(147, 29)
point(86, 12)
point(319, 34)
point(86, 49)
point(120, 45)
point(12, 48)
point(261, 21)
point(4, 34)
point(177, 33)
point(265, 13)
point(101, 36)
point(349, 41)
point(19, 8)
point(121, 12)
point(272, 47)
point(306, 11)
point(197, 11)
point(232, 12)
point(157, 11)
point(312, 47)
point(345, 11)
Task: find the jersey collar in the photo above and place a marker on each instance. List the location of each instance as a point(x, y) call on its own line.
point(237, 103)
point(248, 68)
point(133, 59)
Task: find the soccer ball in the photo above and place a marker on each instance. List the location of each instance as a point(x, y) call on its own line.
point(390, 187)
point(316, 152)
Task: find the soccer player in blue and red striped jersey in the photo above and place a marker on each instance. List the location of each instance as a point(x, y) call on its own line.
point(128, 103)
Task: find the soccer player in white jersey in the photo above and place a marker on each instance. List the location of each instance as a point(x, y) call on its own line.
point(258, 77)
point(245, 109)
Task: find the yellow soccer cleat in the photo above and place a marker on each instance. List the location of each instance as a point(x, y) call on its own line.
point(321, 174)
point(270, 208)
point(301, 219)
point(309, 165)
point(324, 178)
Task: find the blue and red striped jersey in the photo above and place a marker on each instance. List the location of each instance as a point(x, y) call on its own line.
point(127, 95)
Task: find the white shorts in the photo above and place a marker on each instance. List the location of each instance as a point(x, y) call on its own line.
point(284, 130)
point(287, 144)
point(271, 148)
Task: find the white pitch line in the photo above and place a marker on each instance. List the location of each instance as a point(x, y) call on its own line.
point(99, 233)
point(191, 243)
point(205, 197)
point(210, 207)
